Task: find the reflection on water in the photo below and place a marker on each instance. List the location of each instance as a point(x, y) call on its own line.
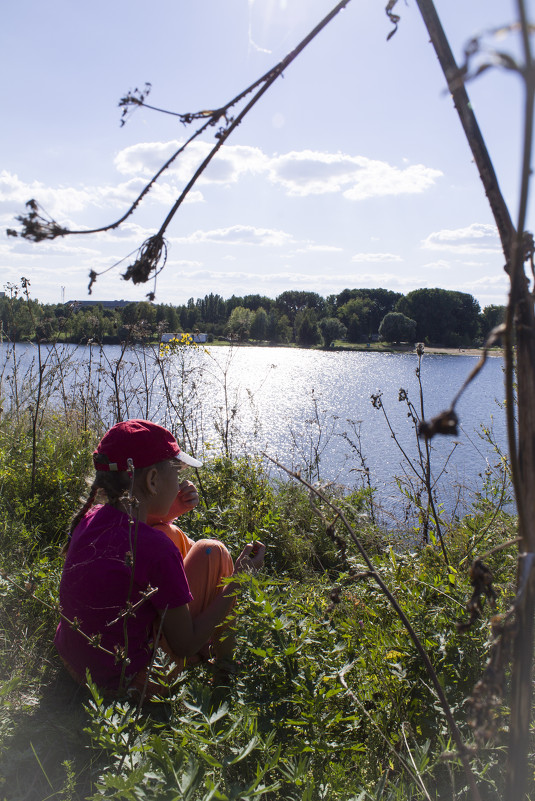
point(295, 405)
point(286, 383)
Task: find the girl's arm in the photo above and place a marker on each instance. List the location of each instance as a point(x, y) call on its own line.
point(186, 635)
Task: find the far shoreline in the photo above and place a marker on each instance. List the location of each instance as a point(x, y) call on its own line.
point(337, 347)
point(374, 347)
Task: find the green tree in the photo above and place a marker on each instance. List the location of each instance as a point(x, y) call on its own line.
point(239, 323)
point(87, 324)
point(135, 313)
point(442, 316)
point(355, 315)
point(16, 318)
point(332, 328)
point(371, 307)
point(254, 302)
point(189, 315)
point(259, 325)
point(491, 316)
point(307, 331)
point(294, 301)
point(395, 327)
point(279, 328)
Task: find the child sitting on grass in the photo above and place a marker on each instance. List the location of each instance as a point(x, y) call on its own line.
point(124, 581)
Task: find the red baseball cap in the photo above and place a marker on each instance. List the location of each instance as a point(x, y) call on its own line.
point(141, 441)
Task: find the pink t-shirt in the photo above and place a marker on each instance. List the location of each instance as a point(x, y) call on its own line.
point(95, 588)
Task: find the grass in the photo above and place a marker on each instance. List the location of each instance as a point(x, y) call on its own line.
point(332, 701)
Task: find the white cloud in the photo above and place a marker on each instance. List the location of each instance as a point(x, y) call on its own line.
point(310, 172)
point(300, 173)
point(238, 235)
point(311, 248)
point(477, 238)
point(489, 281)
point(229, 164)
point(56, 247)
point(395, 281)
point(64, 203)
point(376, 257)
point(440, 264)
point(60, 200)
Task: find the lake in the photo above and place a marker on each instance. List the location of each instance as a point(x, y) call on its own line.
point(297, 392)
point(305, 407)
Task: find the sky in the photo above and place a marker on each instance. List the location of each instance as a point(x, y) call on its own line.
point(352, 171)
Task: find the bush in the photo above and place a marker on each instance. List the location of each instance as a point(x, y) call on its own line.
point(332, 700)
point(44, 500)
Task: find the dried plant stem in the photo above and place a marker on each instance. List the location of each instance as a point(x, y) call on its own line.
point(469, 122)
point(522, 302)
point(462, 749)
point(267, 81)
point(520, 330)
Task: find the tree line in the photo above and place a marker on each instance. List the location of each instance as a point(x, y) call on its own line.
point(433, 316)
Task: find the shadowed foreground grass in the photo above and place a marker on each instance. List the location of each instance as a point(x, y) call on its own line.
point(331, 700)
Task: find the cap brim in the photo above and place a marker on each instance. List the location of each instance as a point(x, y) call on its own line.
point(187, 459)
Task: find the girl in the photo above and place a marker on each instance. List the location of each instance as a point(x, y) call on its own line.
point(124, 580)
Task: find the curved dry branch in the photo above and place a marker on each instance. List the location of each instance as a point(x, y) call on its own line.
point(462, 749)
point(36, 225)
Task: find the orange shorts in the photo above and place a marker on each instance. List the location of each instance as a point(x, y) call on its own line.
point(206, 563)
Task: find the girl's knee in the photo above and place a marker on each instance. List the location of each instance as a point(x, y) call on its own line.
point(208, 548)
point(210, 554)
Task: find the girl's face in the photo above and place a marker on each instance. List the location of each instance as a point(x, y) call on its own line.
point(166, 483)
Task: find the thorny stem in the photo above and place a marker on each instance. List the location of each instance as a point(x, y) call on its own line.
point(486, 528)
point(424, 477)
point(520, 323)
point(517, 275)
point(427, 466)
point(521, 303)
point(468, 121)
point(267, 81)
point(400, 446)
point(264, 82)
point(393, 751)
point(132, 528)
point(456, 734)
point(71, 623)
point(179, 412)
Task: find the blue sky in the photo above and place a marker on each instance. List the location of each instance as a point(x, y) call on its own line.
point(351, 171)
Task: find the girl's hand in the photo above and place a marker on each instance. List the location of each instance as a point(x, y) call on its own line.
point(187, 498)
point(251, 558)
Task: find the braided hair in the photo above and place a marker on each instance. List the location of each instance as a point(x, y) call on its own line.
point(107, 486)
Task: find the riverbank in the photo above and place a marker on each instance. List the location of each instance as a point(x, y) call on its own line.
point(370, 347)
point(383, 347)
point(339, 345)
point(287, 716)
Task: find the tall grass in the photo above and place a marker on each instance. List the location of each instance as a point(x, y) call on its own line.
point(332, 700)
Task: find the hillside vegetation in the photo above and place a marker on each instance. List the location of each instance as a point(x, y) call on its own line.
point(333, 698)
